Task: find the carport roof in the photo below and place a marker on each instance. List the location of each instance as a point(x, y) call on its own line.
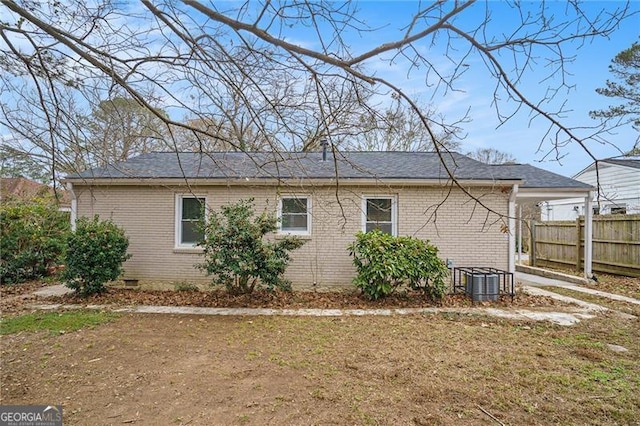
point(537, 178)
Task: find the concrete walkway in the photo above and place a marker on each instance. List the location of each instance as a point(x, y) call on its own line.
point(569, 316)
point(560, 318)
point(534, 291)
point(537, 281)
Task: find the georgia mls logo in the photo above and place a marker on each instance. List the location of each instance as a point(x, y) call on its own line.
point(52, 410)
point(30, 415)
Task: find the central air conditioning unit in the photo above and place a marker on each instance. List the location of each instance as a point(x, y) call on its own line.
point(482, 287)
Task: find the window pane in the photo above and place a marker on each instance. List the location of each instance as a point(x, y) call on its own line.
point(378, 210)
point(294, 222)
point(619, 210)
point(191, 233)
point(294, 205)
point(386, 228)
point(192, 208)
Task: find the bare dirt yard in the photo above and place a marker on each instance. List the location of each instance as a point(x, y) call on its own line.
point(422, 370)
point(441, 369)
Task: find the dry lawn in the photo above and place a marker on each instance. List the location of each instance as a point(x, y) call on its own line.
point(423, 370)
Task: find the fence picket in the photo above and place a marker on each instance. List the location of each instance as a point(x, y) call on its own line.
point(616, 244)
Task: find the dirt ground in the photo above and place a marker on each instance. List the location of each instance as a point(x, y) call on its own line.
point(444, 369)
point(422, 370)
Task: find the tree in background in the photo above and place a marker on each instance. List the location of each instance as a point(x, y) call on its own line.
point(491, 156)
point(120, 128)
point(16, 163)
point(115, 130)
point(625, 68)
point(396, 128)
point(57, 64)
point(633, 152)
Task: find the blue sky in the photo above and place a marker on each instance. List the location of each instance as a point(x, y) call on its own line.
point(520, 136)
point(474, 89)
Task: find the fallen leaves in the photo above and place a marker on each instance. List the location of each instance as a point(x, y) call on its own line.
point(288, 300)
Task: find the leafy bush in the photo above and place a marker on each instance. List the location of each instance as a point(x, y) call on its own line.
point(95, 253)
point(385, 263)
point(186, 287)
point(33, 238)
point(237, 255)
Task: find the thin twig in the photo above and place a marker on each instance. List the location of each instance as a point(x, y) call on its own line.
point(490, 415)
point(600, 397)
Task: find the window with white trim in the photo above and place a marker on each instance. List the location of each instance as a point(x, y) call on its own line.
point(294, 213)
point(619, 209)
point(190, 212)
point(379, 212)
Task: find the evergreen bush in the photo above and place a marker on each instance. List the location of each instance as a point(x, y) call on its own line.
point(95, 254)
point(236, 253)
point(385, 263)
point(33, 237)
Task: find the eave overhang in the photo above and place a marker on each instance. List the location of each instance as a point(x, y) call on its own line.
point(295, 182)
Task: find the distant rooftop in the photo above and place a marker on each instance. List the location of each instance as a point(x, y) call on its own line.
point(628, 162)
point(309, 165)
point(25, 189)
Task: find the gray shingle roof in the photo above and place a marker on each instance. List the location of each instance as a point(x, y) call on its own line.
point(539, 178)
point(627, 162)
point(309, 165)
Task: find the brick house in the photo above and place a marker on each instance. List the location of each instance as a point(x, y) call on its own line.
point(155, 198)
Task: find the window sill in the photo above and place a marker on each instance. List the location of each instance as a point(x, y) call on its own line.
point(281, 235)
point(188, 250)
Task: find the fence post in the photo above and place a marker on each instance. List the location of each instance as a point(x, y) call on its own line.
point(578, 245)
point(532, 243)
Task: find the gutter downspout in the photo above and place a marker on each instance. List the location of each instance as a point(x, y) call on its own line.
point(512, 229)
point(588, 235)
point(74, 206)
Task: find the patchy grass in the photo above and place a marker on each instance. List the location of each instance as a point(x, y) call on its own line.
point(54, 322)
point(625, 307)
point(423, 369)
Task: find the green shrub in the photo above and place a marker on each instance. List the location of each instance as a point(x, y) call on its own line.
point(186, 287)
point(236, 254)
point(95, 253)
point(33, 238)
point(384, 263)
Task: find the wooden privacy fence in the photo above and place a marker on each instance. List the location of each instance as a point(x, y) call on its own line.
point(616, 244)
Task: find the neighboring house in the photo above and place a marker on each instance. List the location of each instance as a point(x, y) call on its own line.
point(155, 197)
point(25, 189)
point(619, 190)
point(21, 188)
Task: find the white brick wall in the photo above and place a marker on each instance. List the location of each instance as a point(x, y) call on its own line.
point(462, 229)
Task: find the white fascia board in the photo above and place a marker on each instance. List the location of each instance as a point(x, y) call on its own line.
point(289, 182)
